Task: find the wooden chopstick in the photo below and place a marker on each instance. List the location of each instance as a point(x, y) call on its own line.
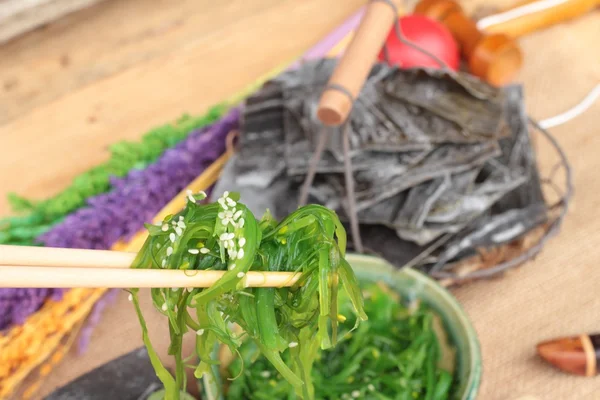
point(58, 257)
point(21, 276)
point(42, 267)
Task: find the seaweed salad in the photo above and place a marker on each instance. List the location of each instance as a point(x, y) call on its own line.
point(289, 325)
point(398, 353)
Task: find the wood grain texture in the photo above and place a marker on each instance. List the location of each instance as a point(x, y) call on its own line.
point(115, 70)
point(20, 16)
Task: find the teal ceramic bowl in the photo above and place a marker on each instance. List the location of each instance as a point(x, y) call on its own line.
point(412, 285)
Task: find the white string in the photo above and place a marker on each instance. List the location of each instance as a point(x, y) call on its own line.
point(573, 112)
point(517, 12)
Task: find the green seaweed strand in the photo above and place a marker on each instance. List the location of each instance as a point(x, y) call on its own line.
point(226, 236)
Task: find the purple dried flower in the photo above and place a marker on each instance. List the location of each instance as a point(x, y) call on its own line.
point(120, 213)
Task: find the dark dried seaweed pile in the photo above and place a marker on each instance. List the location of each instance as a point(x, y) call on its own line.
point(443, 164)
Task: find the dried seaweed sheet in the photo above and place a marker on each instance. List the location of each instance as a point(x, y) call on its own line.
point(440, 93)
point(262, 126)
point(373, 186)
point(518, 155)
point(378, 185)
point(448, 194)
point(378, 124)
point(469, 207)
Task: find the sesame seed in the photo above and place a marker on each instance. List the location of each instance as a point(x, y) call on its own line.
point(221, 215)
point(293, 344)
point(179, 231)
point(242, 242)
point(169, 251)
point(240, 274)
point(200, 332)
point(231, 236)
point(241, 222)
point(204, 250)
point(356, 394)
point(231, 203)
point(180, 218)
point(130, 297)
point(164, 262)
point(232, 266)
point(223, 237)
point(164, 307)
point(194, 251)
point(165, 228)
point(181, 224)
point(192, 199)
point(371, 387)
point(223, 205)
point(265, 374)
point(230, 244)
point(225, 193)
point(232, 254)
point(240, 254)
point(172, 237)
point(238, 214)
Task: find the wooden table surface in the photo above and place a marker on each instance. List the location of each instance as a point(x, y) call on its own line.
point(111, 72)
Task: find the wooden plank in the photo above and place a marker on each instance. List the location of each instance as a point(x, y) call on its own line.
point(20, 16)
point(117, 34)
point(190, 71)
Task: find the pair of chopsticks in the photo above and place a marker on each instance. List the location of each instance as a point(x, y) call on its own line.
point(46, 267)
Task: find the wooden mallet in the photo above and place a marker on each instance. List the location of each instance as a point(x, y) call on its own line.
point(489, 45)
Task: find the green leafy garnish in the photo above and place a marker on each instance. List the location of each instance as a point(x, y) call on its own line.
point(291, 323)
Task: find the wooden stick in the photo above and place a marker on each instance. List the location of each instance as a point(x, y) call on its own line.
point(41, 267)
point(356, 63)
point(57, 257)
point(12, 276)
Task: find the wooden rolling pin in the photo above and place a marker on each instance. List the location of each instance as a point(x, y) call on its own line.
point(489, 46)
point(354, 66)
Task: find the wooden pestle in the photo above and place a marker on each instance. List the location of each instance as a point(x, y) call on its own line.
point(354, 66)
point(493, 54)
